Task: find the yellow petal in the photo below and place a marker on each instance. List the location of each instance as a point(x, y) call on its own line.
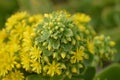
point(74, 70)
point(63, 55)
point(54, 55)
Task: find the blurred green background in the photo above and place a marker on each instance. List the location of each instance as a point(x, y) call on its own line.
point(105, 14)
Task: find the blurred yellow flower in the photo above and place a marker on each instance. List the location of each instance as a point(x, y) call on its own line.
point(82, 28)
point(63, 55)
point(112, 43)
point(35, 19)
point(74, 70)
point(3, 35)
point(80, 18)
point(90, 46)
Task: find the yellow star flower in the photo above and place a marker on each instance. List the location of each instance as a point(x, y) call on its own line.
point(7, 60)
point(77, 56)
point(53, 68)
point(35, 53)
point(13, 47)
point(36, 66)
point(25, 60)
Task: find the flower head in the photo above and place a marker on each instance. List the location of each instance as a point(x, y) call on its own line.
point(104, 47)
point(7, 60)
point(53, 68)
point(81, 17)
point(78, 56)
point(50, 45)
point(36, 66)
point(12, 21)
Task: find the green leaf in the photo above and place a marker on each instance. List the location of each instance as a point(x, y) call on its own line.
point(40, 27)
point(45, 35)
point(67, 47)
point(55, 43)
point(110, 73)
point(47, 52)
point(108, 17)
point(68, 33)
point(89, 73)
point(88, 61)
point(74, 77)
point(59, 77)
point(40, 77)
point(36, 77)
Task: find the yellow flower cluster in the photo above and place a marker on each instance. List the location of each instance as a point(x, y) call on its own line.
point(79, 55)
point(49, 45)
point(14, 75)
point(104, 47)
point(53, 68)
point(16, 47)
point(82, 21)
